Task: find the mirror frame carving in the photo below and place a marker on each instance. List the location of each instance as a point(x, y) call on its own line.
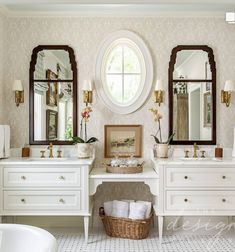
point(212, 81)
point(33, 62)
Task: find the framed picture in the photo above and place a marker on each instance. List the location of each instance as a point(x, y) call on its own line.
point(124, 140)
point(207, 110)
point(52, 92)
point(51, 124)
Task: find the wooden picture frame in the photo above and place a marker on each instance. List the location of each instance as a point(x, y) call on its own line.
point(52, 92)
point(207, 118)
point(51, 124)
point(122, 140)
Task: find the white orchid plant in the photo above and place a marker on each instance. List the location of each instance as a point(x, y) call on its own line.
point(157, 116)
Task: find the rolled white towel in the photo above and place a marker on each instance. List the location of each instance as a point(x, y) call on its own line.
point(108, 208)
point(149, 207)
point(137, 211)
point(120, 209)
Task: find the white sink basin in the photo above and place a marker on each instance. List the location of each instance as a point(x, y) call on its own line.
point(201, 159)
point(47, 159)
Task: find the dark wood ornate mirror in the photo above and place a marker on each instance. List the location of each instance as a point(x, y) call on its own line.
point(192, 95)
point(52, 95)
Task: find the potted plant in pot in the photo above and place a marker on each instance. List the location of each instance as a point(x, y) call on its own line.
point(161, 146)
point(84, 145)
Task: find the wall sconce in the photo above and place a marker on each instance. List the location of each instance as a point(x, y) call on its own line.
point(19, 92)
point(87, 91)
point(230, 17)
point(226, 94)
point(158, 92)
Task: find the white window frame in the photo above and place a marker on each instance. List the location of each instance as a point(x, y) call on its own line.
point(144, 56)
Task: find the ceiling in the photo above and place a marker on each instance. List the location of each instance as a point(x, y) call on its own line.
point(119, 7)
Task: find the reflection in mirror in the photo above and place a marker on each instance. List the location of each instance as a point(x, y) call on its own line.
point(56, 60)
point(192, 94)
point(191, 65)
point(53, 93)
point(192, 117)
point(53, 107)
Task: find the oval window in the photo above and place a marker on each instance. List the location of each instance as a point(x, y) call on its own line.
point(122, 78)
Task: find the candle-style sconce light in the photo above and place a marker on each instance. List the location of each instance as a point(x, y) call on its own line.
point(87, 91)
point(158, 92)
point(226, 93)
point(19, 92)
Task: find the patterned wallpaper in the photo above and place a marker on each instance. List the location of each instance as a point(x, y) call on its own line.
point(85, 35)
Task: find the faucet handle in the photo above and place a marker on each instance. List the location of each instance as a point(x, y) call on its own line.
point(59, 153)
point(42, 154)
point(186, 152)
point(203, 154)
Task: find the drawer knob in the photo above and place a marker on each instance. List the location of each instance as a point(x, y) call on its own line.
point(224, 200)
point(61, 201)
point(23, 200)
point(185, 177)
point(23, 177)
point(185, 200)
point(224, 177)
point(62, 177)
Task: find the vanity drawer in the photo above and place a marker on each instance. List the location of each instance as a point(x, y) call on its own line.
point(200, 200)
point(42, 200)
point(42, 177)
point(199, 177)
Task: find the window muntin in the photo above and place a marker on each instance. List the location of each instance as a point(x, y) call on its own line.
point(123, 71)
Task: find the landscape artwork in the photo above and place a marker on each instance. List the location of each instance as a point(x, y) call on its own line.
point(122, 140)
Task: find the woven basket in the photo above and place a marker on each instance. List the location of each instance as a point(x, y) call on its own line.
point(126, 228)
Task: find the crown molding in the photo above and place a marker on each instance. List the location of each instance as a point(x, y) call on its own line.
point(113, 10)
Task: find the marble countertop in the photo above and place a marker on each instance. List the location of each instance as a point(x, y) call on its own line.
point(40, 161)
point(193, 161)
point(148, 172)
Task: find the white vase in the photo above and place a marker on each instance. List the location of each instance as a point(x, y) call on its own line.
point(84, 150)
point(162, 150)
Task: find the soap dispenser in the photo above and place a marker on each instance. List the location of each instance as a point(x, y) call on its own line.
point(218, 152)
point(25, 151)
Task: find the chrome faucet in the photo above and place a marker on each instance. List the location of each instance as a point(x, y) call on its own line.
point(50, 148)
point(195, 148)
